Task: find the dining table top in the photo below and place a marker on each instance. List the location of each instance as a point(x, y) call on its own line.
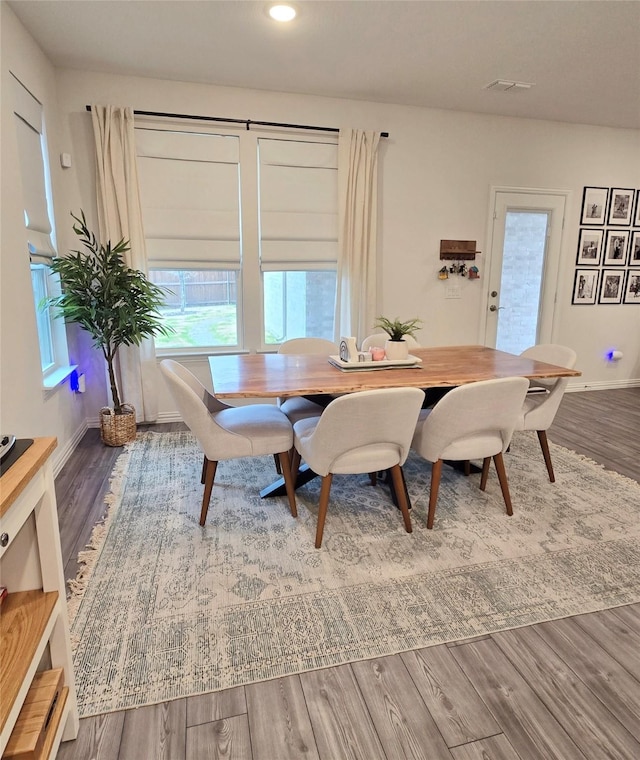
point(284, 375)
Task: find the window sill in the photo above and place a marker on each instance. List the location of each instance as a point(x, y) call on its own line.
point(186, 353)
point(53, 379)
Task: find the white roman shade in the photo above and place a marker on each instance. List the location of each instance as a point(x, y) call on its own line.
point(190, 192)
point(298, 204)
point(29, 125)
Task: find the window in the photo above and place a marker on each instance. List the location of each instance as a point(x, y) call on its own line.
point(37, 218)
point(298, 237)
point(235, 219)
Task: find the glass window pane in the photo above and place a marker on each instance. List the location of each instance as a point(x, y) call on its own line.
point(525, 239)
point(298, 305)
point(43, 314)
point(201, 307)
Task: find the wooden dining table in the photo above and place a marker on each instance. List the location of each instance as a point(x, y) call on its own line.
point(284, 375)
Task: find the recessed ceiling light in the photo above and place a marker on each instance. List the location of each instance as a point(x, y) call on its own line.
point(282, 12)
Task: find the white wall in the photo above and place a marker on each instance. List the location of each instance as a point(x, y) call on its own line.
point(25, 408)
point(437, 168)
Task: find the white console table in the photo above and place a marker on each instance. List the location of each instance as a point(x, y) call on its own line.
point(34, 627)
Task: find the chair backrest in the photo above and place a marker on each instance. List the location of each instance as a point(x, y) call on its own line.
point(540, 409)
point(472, 421)
point(552, 353)
point(379, 339)
point(193, 401)
point(308, 346)
point(364, 431)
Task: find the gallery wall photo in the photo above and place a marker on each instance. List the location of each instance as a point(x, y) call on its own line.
point(608, 255)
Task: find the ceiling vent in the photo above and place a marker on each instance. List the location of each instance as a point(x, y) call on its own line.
point(506, 85)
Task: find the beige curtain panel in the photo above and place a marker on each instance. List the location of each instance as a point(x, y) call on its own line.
point(357, 232)
point(120, 216)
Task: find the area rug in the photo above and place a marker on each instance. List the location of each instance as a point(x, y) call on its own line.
point(164, 608)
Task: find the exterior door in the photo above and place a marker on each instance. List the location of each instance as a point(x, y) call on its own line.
point(523, 268)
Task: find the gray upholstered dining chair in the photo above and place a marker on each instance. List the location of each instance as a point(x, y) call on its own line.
point(227, 432)
point(474, 421)
point(543, 400)
point(300, 407)
point(359, 433)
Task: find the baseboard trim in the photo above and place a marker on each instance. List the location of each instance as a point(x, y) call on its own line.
point(63, 454)
point(603, 385)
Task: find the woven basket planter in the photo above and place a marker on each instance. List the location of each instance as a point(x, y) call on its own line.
point(117, 429)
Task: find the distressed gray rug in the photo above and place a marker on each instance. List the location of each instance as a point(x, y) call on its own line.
point(166, 609)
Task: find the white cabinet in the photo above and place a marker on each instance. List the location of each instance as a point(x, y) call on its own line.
point(34, 626)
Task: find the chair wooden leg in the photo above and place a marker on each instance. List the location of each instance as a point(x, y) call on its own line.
point(204, 469)
point(544, 445)
point(276, 459)
point(322, 509)
point(285, 467)
point(504, 483)
point(485, 473)
point(209, 476)
point(401, 495)
point(436, 473)
point(467, 467)
point(373, 477)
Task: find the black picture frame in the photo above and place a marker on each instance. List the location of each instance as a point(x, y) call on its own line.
point(611, 286)
point(594, 205)
point(615, 248)
point(634, 249)
point(621, 202)
point(636, 213)
point(585, 287)
point(632, 287)
point(589, 247)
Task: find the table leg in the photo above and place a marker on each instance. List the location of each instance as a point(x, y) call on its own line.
point(277, 488)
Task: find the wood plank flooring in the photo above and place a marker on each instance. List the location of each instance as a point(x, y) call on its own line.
point(554, 691)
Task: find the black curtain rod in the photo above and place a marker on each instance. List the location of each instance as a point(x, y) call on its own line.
point(246, 122)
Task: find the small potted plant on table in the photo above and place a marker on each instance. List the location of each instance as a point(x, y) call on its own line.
point(116, 305)
point(396, 346)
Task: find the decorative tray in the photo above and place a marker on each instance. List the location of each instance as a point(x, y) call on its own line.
point(410, 361)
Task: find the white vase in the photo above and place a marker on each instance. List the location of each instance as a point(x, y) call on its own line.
point(396, 350)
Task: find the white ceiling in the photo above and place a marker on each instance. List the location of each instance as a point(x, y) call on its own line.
point(582, 55)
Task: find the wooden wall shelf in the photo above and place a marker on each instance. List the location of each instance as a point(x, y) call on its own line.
point(458, 250)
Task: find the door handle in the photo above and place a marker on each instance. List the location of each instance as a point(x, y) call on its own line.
point(493, 307)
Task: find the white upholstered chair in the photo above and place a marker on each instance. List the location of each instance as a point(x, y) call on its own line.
point(474, 421)
point(379, 339)
point(227, 432)
point(544, 397)
point(359, 433)
point(300, 407)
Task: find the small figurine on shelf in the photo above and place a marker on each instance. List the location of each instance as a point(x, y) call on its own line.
point(443, 274)
point(474, 273)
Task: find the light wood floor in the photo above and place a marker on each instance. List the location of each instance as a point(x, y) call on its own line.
point(555, 691)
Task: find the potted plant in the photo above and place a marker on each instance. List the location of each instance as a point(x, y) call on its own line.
point(116, 305)
point(396, 346)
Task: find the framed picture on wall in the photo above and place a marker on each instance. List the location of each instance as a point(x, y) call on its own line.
point(621, 206)
point(589, 247)
point(636, 216)
point(634, 249)
point(611, 286)
point(585, 286)
point(632, 289)
point(594, 205)
point(615, 248)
